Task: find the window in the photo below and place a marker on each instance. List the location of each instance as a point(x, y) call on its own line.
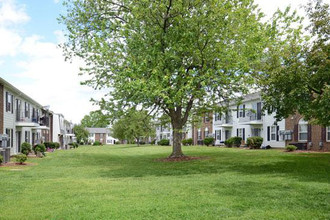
point(328, 133)
point(273, 133)
point(302, 130)
point(218, 135)
point(217, 116)
point(9, 102)
point(10, 134)
point(241, 133)
point(206, 132)
point(256, 132)
point(27, 136)
point(199, 134)
point(241, 111)
point(227, 134)
point(27, 110)
point(206, 118)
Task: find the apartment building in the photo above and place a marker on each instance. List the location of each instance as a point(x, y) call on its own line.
point(22, 119)
point(164, 132)
point(305, 135)
point(100, 134)
point(203, 129)
point(248, 120)
point(62, 131)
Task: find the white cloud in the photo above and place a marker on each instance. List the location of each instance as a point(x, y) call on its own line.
point(12, 13)
point(57, 1)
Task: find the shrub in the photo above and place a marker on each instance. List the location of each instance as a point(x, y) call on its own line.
point(164, 142)
point(20, 158)
point(39, 148)
point(233, 141)
point(1, 159)
point(142, 142)
point(291, 148)
point(254, 142)
point(153, 142)
point(190, 141)
point(208, 141)
point(97, 143)
point(25, 148)
point(56, 145)
point(184, 142)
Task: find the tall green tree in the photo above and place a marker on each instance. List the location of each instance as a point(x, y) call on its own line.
point(296, 76)
point(95, 119)
point(170, 55)
point(134, 126)
point(81, 133)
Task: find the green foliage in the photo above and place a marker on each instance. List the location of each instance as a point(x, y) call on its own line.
point(187, 142)
point(39, 148)
point(304, 63)
point(81, 133)
point(56, 145)
point(95, 119)
point(208, 141)
point(164, 142)
point(153, 142)
point(254, 142)
point(290, 148)
point(52, 145)
point(1, 159)
point(170, 55)
point(26, 148)
point(20, 158)
point(133, 126)
point(233, 142)
point(74, 145)
point(97, 143)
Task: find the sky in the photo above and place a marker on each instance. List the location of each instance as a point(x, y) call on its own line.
point(31, 60)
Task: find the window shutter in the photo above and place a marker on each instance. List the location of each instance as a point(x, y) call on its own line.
point(277, 133)
point(309, 133)
point(237, 132)
point(295, 133)
point(237, 111)
point(324, 134)
point(243, 134)
point(12, 104)
point(7, 101)
point(268, 133)
point(243, 111)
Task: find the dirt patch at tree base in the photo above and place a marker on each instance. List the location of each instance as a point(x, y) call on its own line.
point(179, 159)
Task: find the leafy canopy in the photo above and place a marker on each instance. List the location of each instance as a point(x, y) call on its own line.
point(95, 119)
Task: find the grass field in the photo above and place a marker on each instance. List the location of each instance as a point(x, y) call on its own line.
point(127, 182)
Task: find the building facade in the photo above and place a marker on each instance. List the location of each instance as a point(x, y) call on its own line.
point(100, 134)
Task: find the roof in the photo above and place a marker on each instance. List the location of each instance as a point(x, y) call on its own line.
point(98, 130)
point(19, 92)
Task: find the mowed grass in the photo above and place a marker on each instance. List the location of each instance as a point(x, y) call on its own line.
point(127, 182)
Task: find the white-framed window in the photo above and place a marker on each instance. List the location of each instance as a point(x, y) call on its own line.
point(241, 133)
point(241, 111)
point(302, 130)
point(217, 116)
point(9, 102)
point(273, 132)
point(256, 132)
point(328, 134)
point(199, 134)
point(206, 132)
point(10, 134)
point(218, 134)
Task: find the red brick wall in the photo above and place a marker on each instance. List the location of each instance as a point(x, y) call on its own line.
point(204, 125)
point(98, 138)
point(317, 133)
point(1, 109)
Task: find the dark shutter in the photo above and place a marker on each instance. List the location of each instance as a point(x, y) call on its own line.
point(268, 133)
point(237, 111)
point(12, 104)
point(237, 132)
point(309, 133)
point(243, 111)
point(295, 133)
point(243, 134)
point(277, 133)
point(7, 101)
point(323, 134)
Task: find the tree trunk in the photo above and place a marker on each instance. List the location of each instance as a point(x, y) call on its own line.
point(177, 140)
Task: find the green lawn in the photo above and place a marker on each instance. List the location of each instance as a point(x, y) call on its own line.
point(126, 182)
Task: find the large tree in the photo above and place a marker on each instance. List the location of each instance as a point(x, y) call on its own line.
point(134, 126)
point(296, 76)
point(81, 133)
point(169, 55)
point(95, 119)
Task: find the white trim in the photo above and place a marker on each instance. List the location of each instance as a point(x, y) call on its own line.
point(327, 134)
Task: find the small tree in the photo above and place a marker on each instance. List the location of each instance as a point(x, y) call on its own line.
point(95, 119)
point(81, 133)
point(134, 125)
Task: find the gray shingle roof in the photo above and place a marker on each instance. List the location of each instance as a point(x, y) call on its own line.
point(98, 130)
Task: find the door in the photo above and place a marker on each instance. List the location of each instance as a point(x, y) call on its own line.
point(259, 111)
point(18, 140)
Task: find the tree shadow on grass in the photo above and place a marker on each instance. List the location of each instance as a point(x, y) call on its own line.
point(312, 167)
